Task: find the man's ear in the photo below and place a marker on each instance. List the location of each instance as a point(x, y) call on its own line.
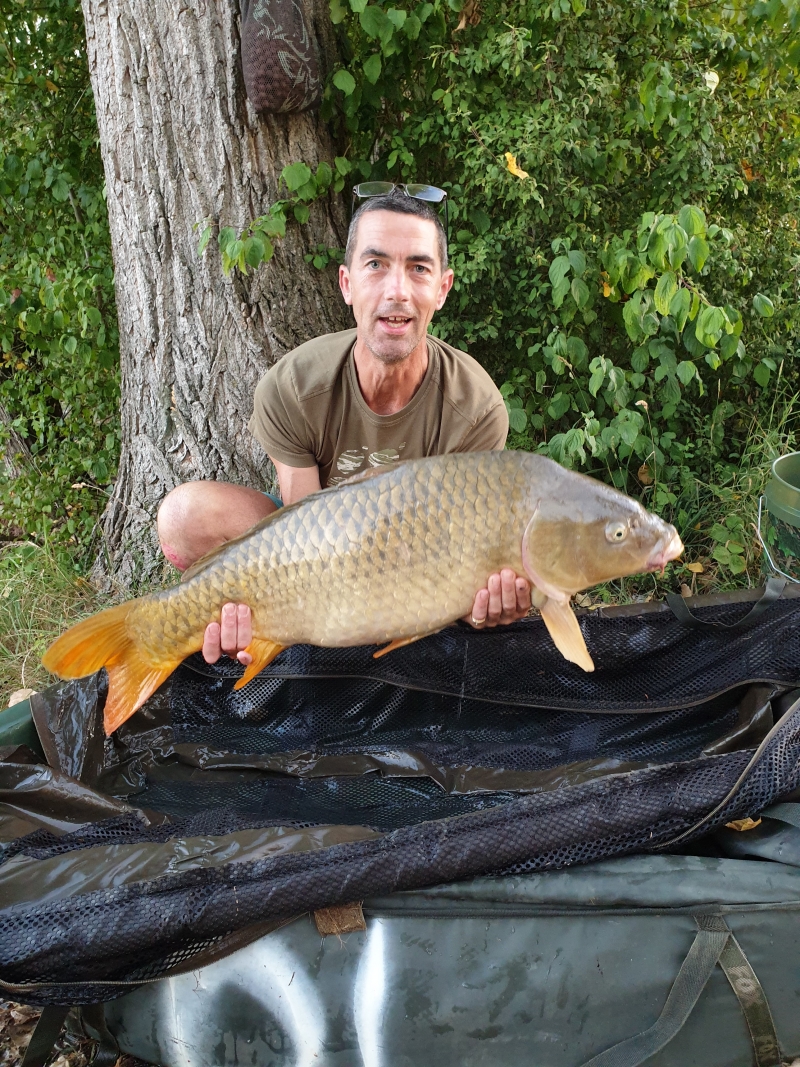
point(344, 284)
point(445, 286)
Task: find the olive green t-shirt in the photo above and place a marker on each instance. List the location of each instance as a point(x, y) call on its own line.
point(309, 410)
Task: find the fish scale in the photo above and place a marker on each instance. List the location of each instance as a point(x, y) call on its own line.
point(386, 557)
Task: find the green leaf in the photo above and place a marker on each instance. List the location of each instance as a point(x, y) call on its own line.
point(517, 419)
point(480, 220)
point(358, 6)
point(580, 292)
point(761, 373)
point(397, 17)
point(226, 237)
point(698, 252)
point(205, 236)
point(296, 175)
point(253, 251)
point(69, 344)
point(343, 167)
point(302, 213)
point(560, 290)
point(373, 21)
point(558, 269)
point(666, 289)
point(345, 81)
point(679, 308)
point(577, 352)
point(338, 12)
point(686, 371)
point(692, 220)
point(60, 188)
point(598, 374)
point(763, 306)
point(577, 260)
point(559, 405)
point(372, 68)
point(411, 27)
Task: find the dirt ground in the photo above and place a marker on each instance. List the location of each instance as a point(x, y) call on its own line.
point(16, 1026)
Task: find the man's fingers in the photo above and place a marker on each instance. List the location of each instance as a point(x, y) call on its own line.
point(212, 649)
point(495, 600)
point(228, 629)
point(523, 596)
point(244, 622)
point(479, 609)
point(508, 591)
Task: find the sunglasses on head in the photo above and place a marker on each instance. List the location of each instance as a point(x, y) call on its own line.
point(429, 193)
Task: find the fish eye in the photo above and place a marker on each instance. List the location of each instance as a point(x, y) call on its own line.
point(616, 532)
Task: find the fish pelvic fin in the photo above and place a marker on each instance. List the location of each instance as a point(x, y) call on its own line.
point(103, 641)
point(263, 652)
point(401, 642)
point(563, 627)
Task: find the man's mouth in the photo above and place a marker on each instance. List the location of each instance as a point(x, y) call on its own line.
point(394, 323)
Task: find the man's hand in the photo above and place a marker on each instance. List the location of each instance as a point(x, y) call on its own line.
point(231, 635)
point(505, 599)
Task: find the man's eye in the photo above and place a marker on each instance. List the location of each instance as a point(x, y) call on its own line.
point(373, 263)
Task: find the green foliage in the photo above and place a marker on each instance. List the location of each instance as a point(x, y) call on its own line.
point(623, 187)
point(58, 328)
point(255, 244)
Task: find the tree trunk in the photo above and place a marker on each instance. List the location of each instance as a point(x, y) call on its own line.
point(181, 143)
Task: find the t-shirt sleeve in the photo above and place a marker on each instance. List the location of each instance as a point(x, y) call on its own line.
point(489, 433)
point(277, 422)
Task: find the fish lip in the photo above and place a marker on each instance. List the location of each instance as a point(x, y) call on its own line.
point(665, 553)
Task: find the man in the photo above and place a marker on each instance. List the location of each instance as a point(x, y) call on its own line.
point(342, 403)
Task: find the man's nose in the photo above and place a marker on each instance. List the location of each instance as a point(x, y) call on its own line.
point(397, 287)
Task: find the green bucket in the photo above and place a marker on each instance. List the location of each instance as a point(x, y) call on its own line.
point(779, 528)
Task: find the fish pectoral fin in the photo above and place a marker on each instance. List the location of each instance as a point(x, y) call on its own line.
point(399, 642)
point(563, 627)
point(263, 652)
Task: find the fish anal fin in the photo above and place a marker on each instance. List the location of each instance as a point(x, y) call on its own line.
point(263, 652)
point(563, 627)
point(400, 642)
point(131, 681)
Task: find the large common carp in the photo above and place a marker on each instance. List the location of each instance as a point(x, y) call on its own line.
point(393, 555)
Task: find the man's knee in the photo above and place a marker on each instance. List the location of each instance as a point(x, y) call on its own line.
point(198, 516)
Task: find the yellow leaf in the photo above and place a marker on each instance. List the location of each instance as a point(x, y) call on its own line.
point(511, 163)
point(51, 86)
point(644, 474)
point(607, 290)
point(743, 824)
point(695, 568)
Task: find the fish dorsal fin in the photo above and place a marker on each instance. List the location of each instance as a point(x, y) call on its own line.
point(201, 563)
point(373, 472)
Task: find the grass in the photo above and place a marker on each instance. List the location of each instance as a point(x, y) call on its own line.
point(40, 596)
point(42, 593)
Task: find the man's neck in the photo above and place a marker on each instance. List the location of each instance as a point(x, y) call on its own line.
point(388, 387)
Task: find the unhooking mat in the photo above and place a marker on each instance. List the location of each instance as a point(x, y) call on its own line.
point(213, 814)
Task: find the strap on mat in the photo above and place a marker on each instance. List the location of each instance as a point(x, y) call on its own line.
point(713, 944)
point(44, 1036)
point(48, 1029)
point(772, 592)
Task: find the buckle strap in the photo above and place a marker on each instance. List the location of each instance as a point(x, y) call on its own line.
point(44, 1036)
point(755, 1007)
point(772, 592)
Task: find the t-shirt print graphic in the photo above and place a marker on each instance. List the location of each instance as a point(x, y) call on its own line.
point(353, 460)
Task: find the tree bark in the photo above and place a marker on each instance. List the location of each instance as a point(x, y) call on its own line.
point(181, 143)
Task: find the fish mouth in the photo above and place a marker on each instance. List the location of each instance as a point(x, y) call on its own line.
point(665, 553)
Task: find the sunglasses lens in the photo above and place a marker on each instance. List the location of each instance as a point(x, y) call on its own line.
point(426, 192)
point(373, 188)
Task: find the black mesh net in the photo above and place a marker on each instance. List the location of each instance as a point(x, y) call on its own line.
point(468, 754)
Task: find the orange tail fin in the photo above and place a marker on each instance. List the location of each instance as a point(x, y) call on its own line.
point(103, 641)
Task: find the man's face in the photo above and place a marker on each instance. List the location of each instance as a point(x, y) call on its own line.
point(394, 283)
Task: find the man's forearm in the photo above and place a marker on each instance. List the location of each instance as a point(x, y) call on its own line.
point(296, 482)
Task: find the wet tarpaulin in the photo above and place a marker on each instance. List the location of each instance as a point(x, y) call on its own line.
point(333, 776)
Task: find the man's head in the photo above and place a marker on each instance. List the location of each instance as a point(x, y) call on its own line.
point(395, 273)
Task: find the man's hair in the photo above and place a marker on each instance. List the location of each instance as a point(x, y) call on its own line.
point(397, 201)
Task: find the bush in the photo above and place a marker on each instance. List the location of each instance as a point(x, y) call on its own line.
point(59, 434)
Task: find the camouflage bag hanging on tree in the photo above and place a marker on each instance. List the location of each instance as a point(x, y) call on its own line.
point(279, 61)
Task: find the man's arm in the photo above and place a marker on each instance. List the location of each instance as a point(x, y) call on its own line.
point(296, 482)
